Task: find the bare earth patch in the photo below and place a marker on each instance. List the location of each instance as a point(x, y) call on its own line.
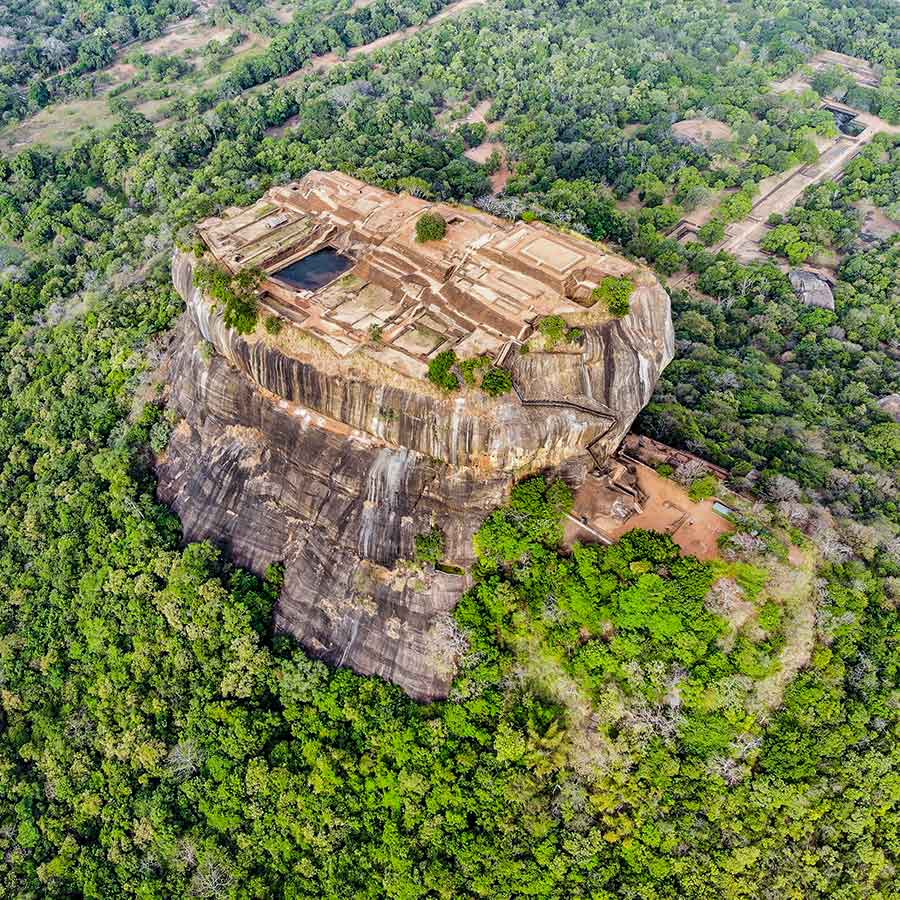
point(875, 224)
point(479, 112)
point(482, 153)
point(183, 37)
point(703, 132)
point(695, 527)
point(632, 203)
point(57, 126)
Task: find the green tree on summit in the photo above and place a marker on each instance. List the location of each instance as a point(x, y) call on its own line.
point(236, 293)
point(615, 294)
point(430, 227)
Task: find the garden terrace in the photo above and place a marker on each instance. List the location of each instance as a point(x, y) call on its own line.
point(478, 290)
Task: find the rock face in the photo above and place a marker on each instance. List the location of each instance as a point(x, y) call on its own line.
point(891, 405)
point(285, 456)
point(811, 289)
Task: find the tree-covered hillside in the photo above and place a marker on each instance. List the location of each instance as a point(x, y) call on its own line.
point(616, 729)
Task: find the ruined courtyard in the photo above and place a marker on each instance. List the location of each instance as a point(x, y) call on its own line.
point(479, 291)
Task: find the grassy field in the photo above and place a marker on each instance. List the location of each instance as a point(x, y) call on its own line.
point(59, 125)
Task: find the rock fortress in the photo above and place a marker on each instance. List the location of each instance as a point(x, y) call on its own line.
point(325, 446)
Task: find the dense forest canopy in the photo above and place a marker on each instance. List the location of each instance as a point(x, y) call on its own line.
point(157, 740)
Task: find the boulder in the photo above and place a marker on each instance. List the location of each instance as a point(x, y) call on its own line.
point(891, 406)
point(284, 455)
point(812, 290)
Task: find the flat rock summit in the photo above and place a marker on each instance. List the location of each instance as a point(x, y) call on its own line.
point(324, 445)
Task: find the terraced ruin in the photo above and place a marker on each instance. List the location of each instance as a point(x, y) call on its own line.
point(326, 447)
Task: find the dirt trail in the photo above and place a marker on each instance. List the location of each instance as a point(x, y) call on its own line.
point(327, 60)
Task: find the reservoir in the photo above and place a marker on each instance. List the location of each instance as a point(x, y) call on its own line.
point(314, 271)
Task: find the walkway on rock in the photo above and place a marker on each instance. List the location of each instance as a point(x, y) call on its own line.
point(560, 403)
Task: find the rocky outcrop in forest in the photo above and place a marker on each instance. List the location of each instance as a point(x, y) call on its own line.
point(281, 456)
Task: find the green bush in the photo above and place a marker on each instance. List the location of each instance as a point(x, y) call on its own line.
point(237, 294)
point(430, 227)
point(615, 294)
point(469, 367)
point(274, 325)
point(554, 329)
point(703, 488)
point(711, 233)
point(786, 240)
point(496, 381)
point(440, 370)
point(430, 546)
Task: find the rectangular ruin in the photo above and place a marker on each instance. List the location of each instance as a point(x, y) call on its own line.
point(313, 272)
point(341, 261)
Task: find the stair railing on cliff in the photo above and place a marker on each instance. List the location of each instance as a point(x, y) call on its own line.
point(569, 404)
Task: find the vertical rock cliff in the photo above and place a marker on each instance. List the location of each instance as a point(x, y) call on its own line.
point(287, 455)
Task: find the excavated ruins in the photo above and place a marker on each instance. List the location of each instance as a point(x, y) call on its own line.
point(326, 448)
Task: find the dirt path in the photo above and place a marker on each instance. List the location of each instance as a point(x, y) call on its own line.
point(327, 60)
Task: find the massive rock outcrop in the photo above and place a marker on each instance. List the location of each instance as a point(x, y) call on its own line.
point(286, 453)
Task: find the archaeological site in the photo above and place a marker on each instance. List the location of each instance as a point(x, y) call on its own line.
point(322, 443)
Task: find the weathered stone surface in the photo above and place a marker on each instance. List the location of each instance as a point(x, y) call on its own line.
point(280, 457)
point(268, 485)
point(891, 405)
point(811, 289)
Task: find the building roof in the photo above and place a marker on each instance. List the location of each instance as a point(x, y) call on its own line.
point(479, 288)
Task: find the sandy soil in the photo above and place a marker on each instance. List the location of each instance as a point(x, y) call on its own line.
point(695, 527)
point(481, 154)
point(283, 14)
point(284, 128)
point(632, 203)
point(702, 131)
point(479, 112)
point(185, 36)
